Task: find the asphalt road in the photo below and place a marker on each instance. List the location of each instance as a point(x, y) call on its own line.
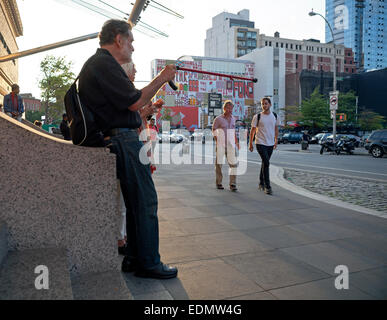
point(360, 164)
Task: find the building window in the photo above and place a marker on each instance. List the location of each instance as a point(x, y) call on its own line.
point(276, 44)
point(265, 43)
point(252, 43)
point(252, 35)
point(291, 46)
point(241, 35)
point(241, 52)
point(286, 46)
point(269, 43)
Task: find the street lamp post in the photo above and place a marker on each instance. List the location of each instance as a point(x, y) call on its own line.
point(312, 13)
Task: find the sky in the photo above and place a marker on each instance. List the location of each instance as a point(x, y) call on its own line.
point(49, 21)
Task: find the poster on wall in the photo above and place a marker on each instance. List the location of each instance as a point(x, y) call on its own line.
point(193, 90)
point(179, 117)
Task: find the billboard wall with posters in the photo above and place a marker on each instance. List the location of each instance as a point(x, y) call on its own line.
point(179, 117)
point(193, 88)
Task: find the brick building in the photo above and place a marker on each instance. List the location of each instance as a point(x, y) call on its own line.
point(31, 103)
point(10, 28)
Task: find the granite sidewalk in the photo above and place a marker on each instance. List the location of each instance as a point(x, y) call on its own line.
point(248, 245)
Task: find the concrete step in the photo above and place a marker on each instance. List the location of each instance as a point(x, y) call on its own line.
point(109, 285)
point(17, 275)
point(3, 241)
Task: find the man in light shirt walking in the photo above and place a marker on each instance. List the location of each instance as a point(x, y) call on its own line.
point(223, 130)
point(265, 129)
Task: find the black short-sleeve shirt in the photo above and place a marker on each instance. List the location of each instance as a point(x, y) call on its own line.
point(105, 88)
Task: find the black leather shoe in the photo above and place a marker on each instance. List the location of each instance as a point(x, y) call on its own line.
point(268, 191)
point(129, 265)
point(162, 271)
point(220, 187)
point(233, 187)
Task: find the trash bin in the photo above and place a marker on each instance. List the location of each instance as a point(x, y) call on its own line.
point(304, 145)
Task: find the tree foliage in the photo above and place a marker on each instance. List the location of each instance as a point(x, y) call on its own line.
point(347, 105)
point(370, 120)
point(31, 116)
point(315, 111)
point(292, 114)
point(56, 79)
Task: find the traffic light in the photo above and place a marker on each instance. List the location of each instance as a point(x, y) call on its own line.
point(342, 117)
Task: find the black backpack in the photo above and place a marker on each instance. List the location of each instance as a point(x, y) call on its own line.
point(83, 128)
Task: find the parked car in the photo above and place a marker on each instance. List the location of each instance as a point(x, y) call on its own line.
point(202, 135)
point(293, 137)
point(316, 138)
point(281, 137)
point(164, 138)
point(376, 144)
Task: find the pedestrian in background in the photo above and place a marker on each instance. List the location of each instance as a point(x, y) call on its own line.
point(13, 103)
point(64, 127)
point(224, 133)
point(264, 127)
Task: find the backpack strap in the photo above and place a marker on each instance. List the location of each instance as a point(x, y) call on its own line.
point(259, 117)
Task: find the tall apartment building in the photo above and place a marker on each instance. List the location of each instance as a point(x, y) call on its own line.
point(10, 28)
point(231, 35)
point(360, 25)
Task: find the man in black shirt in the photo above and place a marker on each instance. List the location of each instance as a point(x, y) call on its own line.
point(64, 128)
point(106, 89)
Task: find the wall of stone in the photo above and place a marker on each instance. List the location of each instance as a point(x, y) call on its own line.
point(55, 194)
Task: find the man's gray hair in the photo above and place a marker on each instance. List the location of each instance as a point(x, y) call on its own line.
point(111, 28)
point(226, 103)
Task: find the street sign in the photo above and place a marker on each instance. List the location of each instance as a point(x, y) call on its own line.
point(333, 100)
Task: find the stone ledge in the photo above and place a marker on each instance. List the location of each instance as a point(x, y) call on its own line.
point(55, 194)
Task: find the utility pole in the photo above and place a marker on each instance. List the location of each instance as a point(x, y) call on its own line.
point(334, 70)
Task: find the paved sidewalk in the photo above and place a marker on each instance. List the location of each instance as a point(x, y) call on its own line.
point(247, 245)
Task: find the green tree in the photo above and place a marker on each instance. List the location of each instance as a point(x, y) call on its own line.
point(31, 116)
point(56, 79)
point(315, 111)
point(292, 113)
point(370, 120)
point(347, 105)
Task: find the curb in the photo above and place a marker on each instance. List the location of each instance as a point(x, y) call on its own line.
point(277, 177)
